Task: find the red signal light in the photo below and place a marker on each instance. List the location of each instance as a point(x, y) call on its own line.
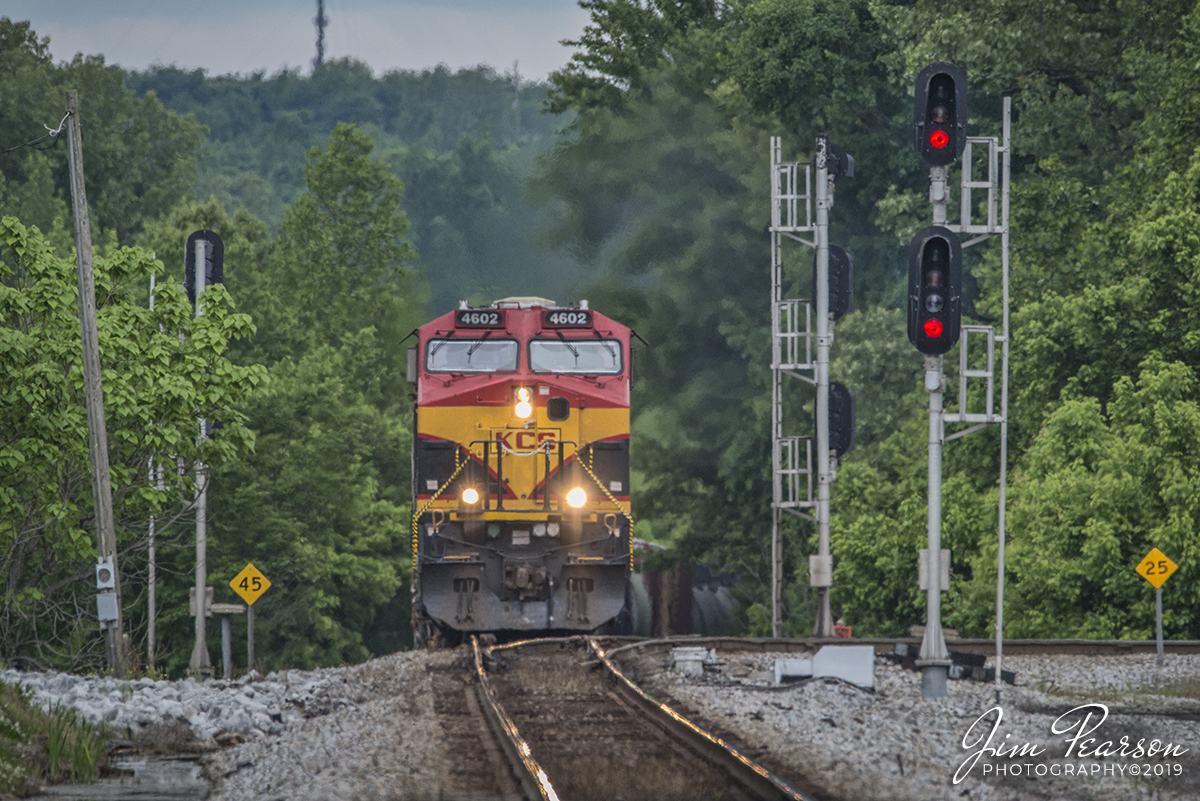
point(939, 139)
point(933, 328)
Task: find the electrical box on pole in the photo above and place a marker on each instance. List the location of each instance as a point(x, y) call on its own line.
point(940, 114)
point(934, 290)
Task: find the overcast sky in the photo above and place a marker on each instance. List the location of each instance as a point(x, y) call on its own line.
point(227, 36)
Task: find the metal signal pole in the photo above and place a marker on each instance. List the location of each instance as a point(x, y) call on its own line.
point(820, 572)
point(108, 602)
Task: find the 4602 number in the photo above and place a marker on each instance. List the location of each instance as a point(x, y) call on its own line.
point(568, 318)
point(479, 319)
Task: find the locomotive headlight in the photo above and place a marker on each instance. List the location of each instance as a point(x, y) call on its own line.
point(470, 497)
point(577, 497)
point(524, 407)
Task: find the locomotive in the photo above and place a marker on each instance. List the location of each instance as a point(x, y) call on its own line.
point(521, 511)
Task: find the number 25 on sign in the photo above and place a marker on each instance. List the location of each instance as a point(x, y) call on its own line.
point(250, 584)
point(1156, 568)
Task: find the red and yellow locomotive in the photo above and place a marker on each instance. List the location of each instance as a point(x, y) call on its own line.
point(521, 471)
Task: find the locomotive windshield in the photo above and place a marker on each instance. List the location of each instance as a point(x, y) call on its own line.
point(460, 355)
point(590, 356)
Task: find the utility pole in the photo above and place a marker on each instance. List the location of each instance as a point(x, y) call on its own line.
point(108, 603)
point(203, 265)
point(201, 663)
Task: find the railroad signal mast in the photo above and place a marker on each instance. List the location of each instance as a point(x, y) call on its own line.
point(935, 321)
point(832, 296)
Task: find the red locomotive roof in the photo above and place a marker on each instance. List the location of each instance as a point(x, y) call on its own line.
point(510, 326)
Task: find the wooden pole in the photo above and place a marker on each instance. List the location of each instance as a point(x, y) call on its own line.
point(201, 663)
point(106, 536)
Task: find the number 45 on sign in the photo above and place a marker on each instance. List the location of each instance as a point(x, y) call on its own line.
point(250, 584)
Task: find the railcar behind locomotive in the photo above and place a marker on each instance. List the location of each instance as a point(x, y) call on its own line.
point(521, 517)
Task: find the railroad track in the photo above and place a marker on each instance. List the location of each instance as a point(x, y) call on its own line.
point(575, 728)
point(885, 645)
point(561, 719)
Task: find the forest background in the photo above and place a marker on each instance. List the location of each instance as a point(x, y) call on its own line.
point(354, 207)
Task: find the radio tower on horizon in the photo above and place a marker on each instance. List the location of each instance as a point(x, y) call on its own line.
point(321, 20)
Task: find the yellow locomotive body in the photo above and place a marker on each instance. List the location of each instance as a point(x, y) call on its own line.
point(521, 471)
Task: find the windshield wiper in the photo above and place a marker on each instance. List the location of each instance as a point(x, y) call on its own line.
point(574, 352)
point(475, 347)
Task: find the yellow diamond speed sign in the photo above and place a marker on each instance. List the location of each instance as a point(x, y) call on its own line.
point(1156, 568)
point(250, 584)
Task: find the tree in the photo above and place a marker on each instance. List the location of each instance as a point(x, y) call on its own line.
point(161, 372)
point(321, 506)
point(1094, 494)
point(140, 158)
point(343, 262)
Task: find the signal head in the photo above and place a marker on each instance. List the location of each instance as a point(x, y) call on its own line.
point(940, 114)
point(934, 290)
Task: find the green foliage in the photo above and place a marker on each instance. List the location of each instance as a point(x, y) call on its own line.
point(321, 504)
point(342, 262)
point(462, 142)
point(160, 370)
point(140, 159)
point(674, 111)
point(39, 747)
point(1094, 494)
point(625, 40)
point(318, 507)
point(655, 194)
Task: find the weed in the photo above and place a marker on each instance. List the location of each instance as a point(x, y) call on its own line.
point(1184, 689)
point(39, 747)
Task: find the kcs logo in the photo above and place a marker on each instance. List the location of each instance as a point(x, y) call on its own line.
point(523, 440)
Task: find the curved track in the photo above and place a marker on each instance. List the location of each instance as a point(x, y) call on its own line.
point(576, 728)
point(561, 719)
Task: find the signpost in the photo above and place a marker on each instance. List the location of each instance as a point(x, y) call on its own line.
point(1156, 568)
point(250, 584)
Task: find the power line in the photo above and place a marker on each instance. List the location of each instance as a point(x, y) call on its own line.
point(46, 142)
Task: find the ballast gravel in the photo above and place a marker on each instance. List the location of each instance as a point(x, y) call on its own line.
point(371, 731)
point(889, 745)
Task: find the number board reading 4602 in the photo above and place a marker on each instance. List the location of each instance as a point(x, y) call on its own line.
point(479, 319)
point(571, 318)
point(1156, 568)
point(250, 584)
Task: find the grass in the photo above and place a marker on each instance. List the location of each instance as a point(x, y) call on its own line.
point(38, 747)
point(1183, 689)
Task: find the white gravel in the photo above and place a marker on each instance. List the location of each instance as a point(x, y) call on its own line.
point(371, 732)
point(387, 744)
point(892, 746)
point(250, 708)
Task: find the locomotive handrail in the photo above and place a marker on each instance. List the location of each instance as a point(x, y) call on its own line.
point(416, 519)
point(628, 513)
point(486, 443)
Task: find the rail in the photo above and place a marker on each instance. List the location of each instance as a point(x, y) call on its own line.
point(756, 779)
point(531, 775)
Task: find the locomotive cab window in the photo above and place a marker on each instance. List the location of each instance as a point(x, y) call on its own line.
point(586, 356)
point(462, 355)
